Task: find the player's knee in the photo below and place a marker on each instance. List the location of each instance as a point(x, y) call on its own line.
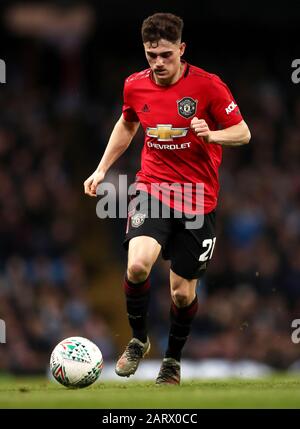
point(138, 272)
point(181, 298)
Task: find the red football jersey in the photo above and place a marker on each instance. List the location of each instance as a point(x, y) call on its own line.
point(172, 153)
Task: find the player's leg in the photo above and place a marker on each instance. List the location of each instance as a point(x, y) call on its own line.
point(142, 254)
point(190, 251)
point(145, 236)
point(183, 310)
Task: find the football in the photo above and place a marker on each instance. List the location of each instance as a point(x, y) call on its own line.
point(76, 362)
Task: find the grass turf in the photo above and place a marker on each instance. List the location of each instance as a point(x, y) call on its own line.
point(271, 392)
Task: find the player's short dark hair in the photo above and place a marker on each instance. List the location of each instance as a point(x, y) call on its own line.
point(162, 26)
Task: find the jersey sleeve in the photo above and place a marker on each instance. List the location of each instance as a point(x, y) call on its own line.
point(128, 111)
point(222, 106)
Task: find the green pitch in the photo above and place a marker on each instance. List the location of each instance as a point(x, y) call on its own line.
point(271, 392)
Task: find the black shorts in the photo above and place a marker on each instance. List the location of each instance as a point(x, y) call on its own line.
point(188, 249)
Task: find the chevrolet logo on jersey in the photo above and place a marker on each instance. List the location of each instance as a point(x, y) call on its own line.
point(166, 132)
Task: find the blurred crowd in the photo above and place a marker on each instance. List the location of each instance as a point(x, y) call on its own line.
point(43, 278)
point(54, 253)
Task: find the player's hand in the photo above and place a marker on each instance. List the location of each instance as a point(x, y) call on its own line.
point(91, 183)
point(201, 129)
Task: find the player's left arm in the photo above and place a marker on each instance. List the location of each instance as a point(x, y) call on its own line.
point(236, 135)
point(229, 128)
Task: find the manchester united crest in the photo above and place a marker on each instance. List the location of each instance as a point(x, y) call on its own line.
point(187, 107)
point(138, 220)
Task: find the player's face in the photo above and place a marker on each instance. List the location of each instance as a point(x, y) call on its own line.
point(164, 59)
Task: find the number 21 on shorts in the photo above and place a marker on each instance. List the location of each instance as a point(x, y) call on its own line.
point(207, 254)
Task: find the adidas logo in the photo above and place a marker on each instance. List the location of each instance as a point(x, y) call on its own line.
point(145, 108)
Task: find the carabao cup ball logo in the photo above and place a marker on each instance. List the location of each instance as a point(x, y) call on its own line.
point(187, 107)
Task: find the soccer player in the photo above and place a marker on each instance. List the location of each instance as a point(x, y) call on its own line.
point(187, 115)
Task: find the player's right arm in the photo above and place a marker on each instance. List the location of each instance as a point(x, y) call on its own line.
point(120, 139)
